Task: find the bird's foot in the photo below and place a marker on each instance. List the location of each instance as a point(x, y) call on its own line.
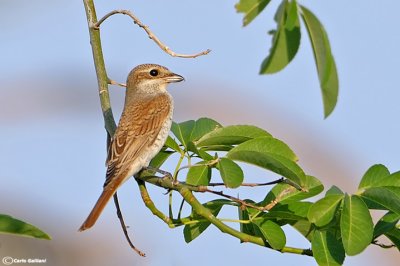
point(166, 175)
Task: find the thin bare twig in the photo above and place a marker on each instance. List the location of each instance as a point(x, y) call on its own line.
point(121, 220)
point(151, 35)
point(113, 82)
point(280, 180)
point(383, 245)
point(240, 201)
point(119, 213)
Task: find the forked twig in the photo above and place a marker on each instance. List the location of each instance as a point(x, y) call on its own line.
point(151, 35)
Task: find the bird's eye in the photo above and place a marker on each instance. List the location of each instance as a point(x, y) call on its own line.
point(154, 72)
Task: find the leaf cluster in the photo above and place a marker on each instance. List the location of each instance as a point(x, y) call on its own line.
point(286, 42)
point(336, 225)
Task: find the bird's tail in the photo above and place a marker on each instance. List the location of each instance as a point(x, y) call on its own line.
point(97, 209)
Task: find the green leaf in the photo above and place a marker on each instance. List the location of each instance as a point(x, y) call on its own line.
point(190, 131)
point(334, 190)
point(217, 148)
point(11, 225)
point(183, 131)
point(273, 233)
point(231, 173)
point(386, 223)
point(286, 39)
point(231, 135)
point(383, 198)
point(191, 231)
point(171, 143)
point(356, 225)
point(324, 60)
point(160, 158)
point(289, 212)
point(203, 154)
point(394, 236)
point(323, 211)
point(305, 228)
point(275, 163)
point(244, 215)
point(271, 154)
point(373, 175)
point(327, 250)
point(267, 145)
point(391, 180)
point(199, 174)
point(284, 193)
point(293, 213)
point(251, 9)
point(203, 126)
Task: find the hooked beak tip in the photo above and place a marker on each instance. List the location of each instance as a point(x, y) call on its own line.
point(175, 78)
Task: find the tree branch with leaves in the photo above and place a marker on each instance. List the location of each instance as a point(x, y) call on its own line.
point(336, 225)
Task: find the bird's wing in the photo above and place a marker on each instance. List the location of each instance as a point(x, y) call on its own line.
point(138, 128)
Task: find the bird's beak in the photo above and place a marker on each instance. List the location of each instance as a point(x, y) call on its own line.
point(174, 78)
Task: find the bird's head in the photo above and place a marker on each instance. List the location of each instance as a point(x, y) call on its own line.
point(151, 78)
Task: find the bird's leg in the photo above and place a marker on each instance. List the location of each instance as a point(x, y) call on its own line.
point(157, 170)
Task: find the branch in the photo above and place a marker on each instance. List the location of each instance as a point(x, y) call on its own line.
point(100, 67)
point(151, 35)
point(237, 200)
point(206, 213)
point(102, 80)
point(186, 192)
point(113, 82)
point(280, 180)
point(385, 246)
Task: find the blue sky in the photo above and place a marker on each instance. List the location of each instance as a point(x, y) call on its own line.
point(52, 131)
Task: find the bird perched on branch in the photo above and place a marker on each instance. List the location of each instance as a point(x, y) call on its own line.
point(142, 130)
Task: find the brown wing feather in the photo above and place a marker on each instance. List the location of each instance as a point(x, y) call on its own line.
point(138, 128)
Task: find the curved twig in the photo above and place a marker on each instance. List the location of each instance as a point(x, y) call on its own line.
point(151, 35)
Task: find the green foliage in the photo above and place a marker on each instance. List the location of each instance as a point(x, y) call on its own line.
point(286, 39)
point(324, 60)
point(324, 210)
point(272, 233)
point(230, 135)
point(286, 42)
point(199, 174)
point(191, 231)
point(386, 223)
point(231, 173)
point(336, 225)
point(271, 154)
point(11, 225)
point(356, 225)
point(286, 193)
point(327, 249)
point(251, 9)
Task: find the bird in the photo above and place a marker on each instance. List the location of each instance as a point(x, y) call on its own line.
point(142, 130)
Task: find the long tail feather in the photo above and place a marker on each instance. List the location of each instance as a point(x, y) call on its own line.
point(97, 209)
